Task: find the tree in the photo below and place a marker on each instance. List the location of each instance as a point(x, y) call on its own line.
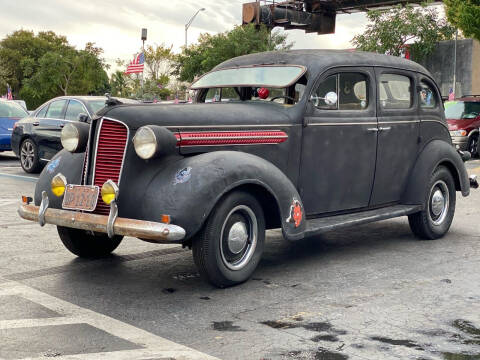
point(212, 50)
point(158, 62)
point(465, 15)
point(39, 67)
point(389, 31)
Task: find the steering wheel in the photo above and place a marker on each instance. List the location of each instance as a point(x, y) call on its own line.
point(283, 97)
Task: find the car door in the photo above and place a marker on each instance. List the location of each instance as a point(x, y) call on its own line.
point(339, 142)
point(398, 137)
point(49, 129)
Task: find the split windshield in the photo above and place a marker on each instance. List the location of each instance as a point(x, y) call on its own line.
point(255, 76)
point(457, 110)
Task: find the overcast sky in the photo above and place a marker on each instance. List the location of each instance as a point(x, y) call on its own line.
point(115, 25)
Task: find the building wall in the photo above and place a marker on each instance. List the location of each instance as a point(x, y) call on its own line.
point(441, 62)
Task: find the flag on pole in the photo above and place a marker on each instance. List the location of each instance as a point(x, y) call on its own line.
point(9, 93)
point(136, 65)
point(451, 95)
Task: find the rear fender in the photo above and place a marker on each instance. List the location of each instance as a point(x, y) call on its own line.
point(436, 153)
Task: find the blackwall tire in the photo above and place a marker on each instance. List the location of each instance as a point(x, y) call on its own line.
point(29, 159)
point(439, 207)
point(86, 245)
point(473, 146)
point(230, 245)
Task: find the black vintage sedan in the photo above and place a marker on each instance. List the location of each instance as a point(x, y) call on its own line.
point(36, 138)
point(305, 141)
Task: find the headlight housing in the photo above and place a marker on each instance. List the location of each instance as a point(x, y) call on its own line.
point(58, 184)
point(145, 143)
point(70, 137)
point(458, 133)
point(74, 137)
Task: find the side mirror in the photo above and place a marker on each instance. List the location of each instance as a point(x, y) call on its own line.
point(82, 117)
point(331, 98)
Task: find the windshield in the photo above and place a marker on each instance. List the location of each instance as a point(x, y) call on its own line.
point(254, 76)
point(11, 109)
point(457, 110)
point(96, 105)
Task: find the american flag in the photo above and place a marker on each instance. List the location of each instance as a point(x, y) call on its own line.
point(451, 95)
point(9, 93)
point(136, 65)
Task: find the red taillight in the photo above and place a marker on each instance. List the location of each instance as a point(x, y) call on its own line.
point(111, 146)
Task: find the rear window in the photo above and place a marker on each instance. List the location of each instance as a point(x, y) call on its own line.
point(11, 109)
point(395, 91)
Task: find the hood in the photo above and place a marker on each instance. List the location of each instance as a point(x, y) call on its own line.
point(463, 124)
point(192, 115)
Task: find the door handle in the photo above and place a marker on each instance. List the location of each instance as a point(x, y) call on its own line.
point(373, 129)
point(36, 123)
point(388, 128)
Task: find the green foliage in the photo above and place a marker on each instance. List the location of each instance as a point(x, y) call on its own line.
point(41, 67)
point(465, 15)
point(388, 31)
point(212, 50)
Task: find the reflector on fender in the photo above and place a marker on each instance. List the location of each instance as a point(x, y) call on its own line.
point(58, 184)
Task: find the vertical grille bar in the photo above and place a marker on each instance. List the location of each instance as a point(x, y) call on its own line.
point(109, 156)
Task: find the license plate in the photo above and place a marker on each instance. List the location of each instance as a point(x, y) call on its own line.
point(78, 197)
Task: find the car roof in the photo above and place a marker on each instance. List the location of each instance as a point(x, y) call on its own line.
point(320, 60)
point(80, 97)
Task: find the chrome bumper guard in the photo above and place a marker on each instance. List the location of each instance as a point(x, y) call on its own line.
point(146, 230)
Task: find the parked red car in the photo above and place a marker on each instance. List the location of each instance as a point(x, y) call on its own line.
point(463, 117)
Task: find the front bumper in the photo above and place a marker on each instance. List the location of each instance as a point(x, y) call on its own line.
point(461, 142)
point(145, 230)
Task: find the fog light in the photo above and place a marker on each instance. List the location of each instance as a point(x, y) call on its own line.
point(109, 192)
point(59, 182)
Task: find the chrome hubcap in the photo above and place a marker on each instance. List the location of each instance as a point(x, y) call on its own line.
point(237, 237)
point(439, 202)
point(27, 154)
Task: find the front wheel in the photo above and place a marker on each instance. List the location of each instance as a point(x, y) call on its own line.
point(439, 207)
point(230, 246)
point(88, 245)
point(29, 156)
point(473, 146)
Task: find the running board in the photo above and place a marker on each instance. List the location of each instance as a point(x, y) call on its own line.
point(325, 224)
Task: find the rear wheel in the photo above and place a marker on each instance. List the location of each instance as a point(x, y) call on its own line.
point(230, 246)
point(439, 207)
point(88, 245)
point(29, 156)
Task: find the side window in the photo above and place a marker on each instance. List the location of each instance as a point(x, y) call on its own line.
point(428, 98)
point(55, 109)
point(42, 112)
point(74, 108)
point(351, 90)
point(395, 91)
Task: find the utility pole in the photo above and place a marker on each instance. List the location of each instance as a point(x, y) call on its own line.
point(455, 66)
point(144, 37)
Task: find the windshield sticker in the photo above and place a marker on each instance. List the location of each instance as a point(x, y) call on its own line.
point(52, 165)
point(295, 213)
point(183, 176)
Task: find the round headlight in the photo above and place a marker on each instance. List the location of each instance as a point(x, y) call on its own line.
point(145, 143)
point(70, 137)
point(109, 192)
point(58, 184)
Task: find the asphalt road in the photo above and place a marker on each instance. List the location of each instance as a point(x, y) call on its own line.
point(371, 292)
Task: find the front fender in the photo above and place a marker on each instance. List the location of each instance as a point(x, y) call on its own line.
point(70, 165)
point(188, 189)
point(434, 154)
